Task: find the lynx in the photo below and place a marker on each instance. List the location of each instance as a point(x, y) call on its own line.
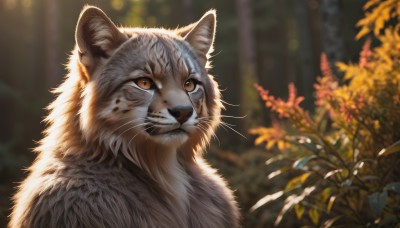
point(125, 135)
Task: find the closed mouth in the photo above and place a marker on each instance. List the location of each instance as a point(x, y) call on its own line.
point(176, 131)
point(171, 132)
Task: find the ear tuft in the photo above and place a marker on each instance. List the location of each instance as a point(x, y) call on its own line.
point(201, 36)
point(96, 35)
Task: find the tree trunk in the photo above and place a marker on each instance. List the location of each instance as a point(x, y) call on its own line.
point(52, 46)
point(331, 28)
point(308, 63)
point(250, 105)
point(276, 65)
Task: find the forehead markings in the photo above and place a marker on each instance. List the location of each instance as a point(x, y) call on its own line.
point(158, 56)
point(188, 60)
point(166, 57)
point(180, 55)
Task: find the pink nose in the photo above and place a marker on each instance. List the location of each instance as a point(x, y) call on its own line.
point(181, 113)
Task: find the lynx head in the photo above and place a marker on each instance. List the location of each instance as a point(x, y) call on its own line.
point(143, 88)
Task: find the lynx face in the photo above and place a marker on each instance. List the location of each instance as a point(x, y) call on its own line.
point(146, 86)
point(155, 88)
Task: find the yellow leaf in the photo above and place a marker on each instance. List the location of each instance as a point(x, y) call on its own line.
point(258, 130)
point(270, 144)
point(398, 9)
point(293, 183)
point(314, 215)
point(299, 210)
point(330, 204)
point(365, 30)
point(380, 21)
point(370, 3)
point(260, 139)
point(342, 66)
point(281, 145)
point(363, 22)
point(325, 194)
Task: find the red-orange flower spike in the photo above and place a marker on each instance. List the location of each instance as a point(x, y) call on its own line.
point(365, 54)
point(324, 91)
point(325, 66)
point(293, 101)
point(278, 105)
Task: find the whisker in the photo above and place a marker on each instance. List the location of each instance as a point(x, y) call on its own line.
point(235, 117)
point(224, 102)
point(138, 134)
point(223, 124)
point(232, 125)
point(132, 121)
point(132, 128)
point(225, 116)
point(204, 130)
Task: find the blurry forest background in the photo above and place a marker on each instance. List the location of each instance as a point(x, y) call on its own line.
point(269, 42)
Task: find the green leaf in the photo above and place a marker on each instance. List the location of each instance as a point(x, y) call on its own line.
point(377, 202)
point(275, 159)
point(338, 142)
point(347, 183)
point(266, 199)
point(292, 200)
point(328, 223)
point(299, 164)
point(370, 178)
point(356, 167)
point(394, 148)
point(277, 173)
point(388, 221)
point(331, 173)
point(303, 140)
point(394, 187)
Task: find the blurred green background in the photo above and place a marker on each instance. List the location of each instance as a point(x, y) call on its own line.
point(271, 42)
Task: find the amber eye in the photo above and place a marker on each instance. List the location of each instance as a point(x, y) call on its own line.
point(190, 85)
point(144, 83)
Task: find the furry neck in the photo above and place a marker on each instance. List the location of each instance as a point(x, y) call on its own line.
point(164, 166)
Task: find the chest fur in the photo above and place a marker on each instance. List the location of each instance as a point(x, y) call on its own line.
point(128, 198)
point(202, 203)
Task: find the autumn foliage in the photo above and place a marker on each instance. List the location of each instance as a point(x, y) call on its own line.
point(343, 156)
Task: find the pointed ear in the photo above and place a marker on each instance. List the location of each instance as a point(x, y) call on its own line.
point(200, 35)
point(96, 36)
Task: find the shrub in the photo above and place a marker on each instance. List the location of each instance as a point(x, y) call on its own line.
point(345, 155)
